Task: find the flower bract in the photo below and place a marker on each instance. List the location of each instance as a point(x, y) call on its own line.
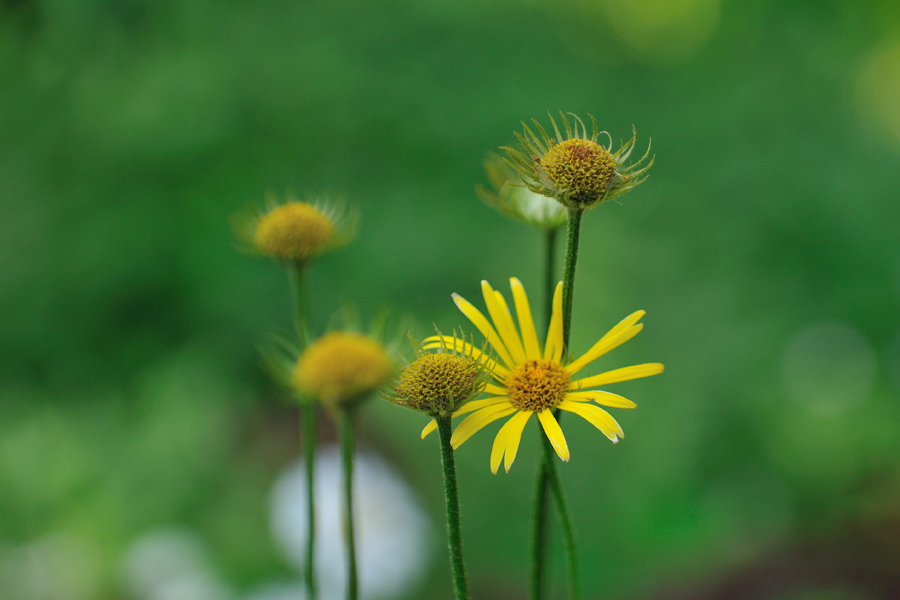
point(576, 169)
point(528, 380)
point(342, 367)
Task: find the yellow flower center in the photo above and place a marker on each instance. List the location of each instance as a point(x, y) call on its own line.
point(537, 384)
point(295, 230)
point(340, 367)
point(580, 167)
point(437, 383)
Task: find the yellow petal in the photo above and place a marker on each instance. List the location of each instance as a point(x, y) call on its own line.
point(490, 388)
point(616, 336)
point(479, 404)
point(479, 321)
point(554, 433)
point(508, 438)
point(596, 416)
point(601, 397)
point(623, 374)
point(499, 312)
point(432, 425)
point(526, 321)
point(516, 425)
point(553, 349)
point(457, 345)
point(477, 420)
point(498, 448)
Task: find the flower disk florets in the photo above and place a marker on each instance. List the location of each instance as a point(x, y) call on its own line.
point(572, 167)
point(438, 384)
point(340, 367)
point(293, 231)
point(535, 385)
point(581, 167)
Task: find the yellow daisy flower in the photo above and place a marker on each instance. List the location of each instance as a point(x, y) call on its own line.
point(527, 381)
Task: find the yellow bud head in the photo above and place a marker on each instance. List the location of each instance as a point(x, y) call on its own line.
point(439, 383)
point(293, 231)
point(583, 168)
point(342, 367)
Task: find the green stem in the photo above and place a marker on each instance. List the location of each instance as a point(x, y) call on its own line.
point(547, 473)
point(539, 506)
point(299, 295)
point(562, 508)
point(549, 276)
point(539, 529)
point(565, 521)
point(574, 231)
point(451, 494)
point(346, 433)
point(308, 417)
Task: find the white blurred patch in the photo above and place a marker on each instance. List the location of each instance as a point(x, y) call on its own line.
point(392, 530)
point(829, 367)
point(171, 564)
point(56, 567)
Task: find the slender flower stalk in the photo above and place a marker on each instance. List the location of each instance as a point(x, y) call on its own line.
point(548, 477)
point(345, 424)
point(308, 420)
point(572, 236)
point(565, 520)
point(539, 506)
point(297, 276)
point(451, 495)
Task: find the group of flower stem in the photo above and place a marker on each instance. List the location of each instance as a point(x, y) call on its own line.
point(547, 475)
point(554, 182)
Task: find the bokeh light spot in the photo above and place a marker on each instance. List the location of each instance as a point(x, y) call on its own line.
point(878, 90)
point(664, 30)
point(829, 367)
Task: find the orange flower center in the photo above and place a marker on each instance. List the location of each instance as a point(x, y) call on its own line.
point(581, 167)
point(537, 384)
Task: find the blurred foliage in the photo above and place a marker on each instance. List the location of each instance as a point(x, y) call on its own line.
point(131, 396)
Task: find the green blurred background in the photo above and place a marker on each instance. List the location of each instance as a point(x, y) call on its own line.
point(763, 464)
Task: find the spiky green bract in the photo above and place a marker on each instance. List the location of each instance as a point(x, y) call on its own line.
point(576, 170)
point(509, 197)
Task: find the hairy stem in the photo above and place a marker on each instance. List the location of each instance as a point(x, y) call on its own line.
point(565, 521)
point(572, 235)
point(451, 495)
